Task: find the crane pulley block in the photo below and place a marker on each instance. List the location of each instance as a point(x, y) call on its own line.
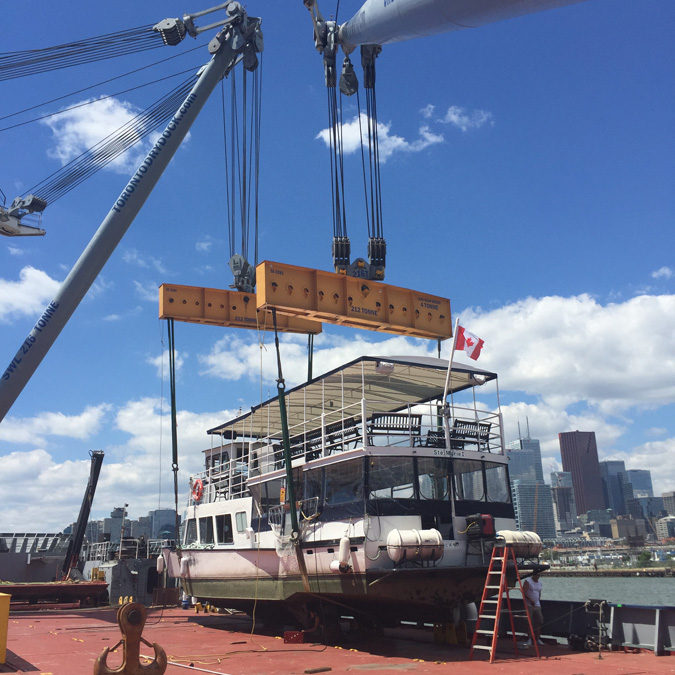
point(350, 301)
point(216, 307)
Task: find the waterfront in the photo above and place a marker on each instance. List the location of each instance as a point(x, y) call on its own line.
point(655, 591)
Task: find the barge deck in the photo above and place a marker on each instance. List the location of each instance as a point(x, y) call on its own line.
point(68, 643)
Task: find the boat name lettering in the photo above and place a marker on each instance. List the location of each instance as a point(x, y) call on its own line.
point(244, 319)
point(274, 270)
point(157, 148)
point(30, 340)
point(429, 304)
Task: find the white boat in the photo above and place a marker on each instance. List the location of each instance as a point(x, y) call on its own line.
point(398, 494)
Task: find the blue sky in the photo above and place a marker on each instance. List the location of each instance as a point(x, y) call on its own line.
point(529, 180)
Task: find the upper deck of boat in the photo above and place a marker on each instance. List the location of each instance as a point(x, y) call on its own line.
point(372, 404)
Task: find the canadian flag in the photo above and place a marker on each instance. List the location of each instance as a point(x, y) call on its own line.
point(469, 342)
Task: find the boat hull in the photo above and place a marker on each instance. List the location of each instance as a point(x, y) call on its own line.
point(386, 596)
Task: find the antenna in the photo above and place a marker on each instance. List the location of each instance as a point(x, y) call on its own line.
point(527, 419)
point(520, 437)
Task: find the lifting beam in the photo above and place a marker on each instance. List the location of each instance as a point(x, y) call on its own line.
point(349, 301)
point(215, 307)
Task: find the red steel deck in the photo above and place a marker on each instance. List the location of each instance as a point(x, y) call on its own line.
point(68, 643)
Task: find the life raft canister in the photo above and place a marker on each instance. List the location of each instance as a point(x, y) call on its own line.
point(198, 490)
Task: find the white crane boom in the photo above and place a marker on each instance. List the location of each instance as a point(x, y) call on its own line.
point(383, 21)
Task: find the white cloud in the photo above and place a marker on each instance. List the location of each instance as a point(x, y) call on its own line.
point(13, 250)
point(161, 362)
point(99, 287)
point(135, 472)
point(133, 257)
point(234, 358)
point(428, 111)
point(28, 296)
point(203, 246)
point(34, 429)
point(388, 143)
point(465, 119)
point(574, 349)
point(77, 130)
point(662, 273)
point(148, 292)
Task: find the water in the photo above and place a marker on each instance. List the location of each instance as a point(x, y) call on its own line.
point(657, 591)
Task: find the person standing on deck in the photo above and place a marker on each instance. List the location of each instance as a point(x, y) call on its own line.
point(532, 597)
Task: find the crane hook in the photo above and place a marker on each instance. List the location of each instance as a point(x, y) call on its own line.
point(131, 619)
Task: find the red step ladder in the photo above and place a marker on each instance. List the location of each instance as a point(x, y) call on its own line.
point(495, 590)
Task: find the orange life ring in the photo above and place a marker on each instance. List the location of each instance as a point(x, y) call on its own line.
point(198, 490)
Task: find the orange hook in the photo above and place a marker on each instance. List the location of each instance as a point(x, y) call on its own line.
point(131, 619)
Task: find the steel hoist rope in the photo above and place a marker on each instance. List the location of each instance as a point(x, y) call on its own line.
point(33, 61)
point(174, 424)
point(97, 84)
point(241, 153)
point(109, 148)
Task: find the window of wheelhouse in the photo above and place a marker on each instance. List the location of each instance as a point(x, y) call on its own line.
point(391, 478)
point(433, 478)
point(497, 483)
point(344, 482)
point(468, 480)
point(224, 528)
point(190, 532)
point(206, 530)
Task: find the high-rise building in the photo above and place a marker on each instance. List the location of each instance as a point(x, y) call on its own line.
point(579, 453)
point(641, 480)
point(616, 487)
point(532, 499)
point(669, 502)
point(163, 523)
point(533, 505)
point(525, 459)
point(564, 506)
point(665, 527)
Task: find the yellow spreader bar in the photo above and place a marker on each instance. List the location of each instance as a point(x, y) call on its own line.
point(216, 307)
point(316, 295)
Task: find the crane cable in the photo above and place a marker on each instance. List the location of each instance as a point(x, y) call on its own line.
point(241, 153)
point(33, 61)
point(92, 86)
point(109, 148)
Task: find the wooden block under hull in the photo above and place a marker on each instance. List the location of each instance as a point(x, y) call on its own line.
point(217, 307)
point(349, 301)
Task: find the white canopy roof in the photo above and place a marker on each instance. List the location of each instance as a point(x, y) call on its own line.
point(392, 381)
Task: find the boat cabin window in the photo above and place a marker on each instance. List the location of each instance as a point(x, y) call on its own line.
point(344, 482)
point(313, 483)
point(206, 530)
point(191, 532)
point(391, 478)
point(468, 480)
point(224, 529)
point(497, 483)
point(270, 493)
point(432, 476)
point(240, 518)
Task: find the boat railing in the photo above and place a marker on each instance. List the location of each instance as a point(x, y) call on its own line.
point(278, 516)
point(369, 423)
point(433, 426)
point(127, 548)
